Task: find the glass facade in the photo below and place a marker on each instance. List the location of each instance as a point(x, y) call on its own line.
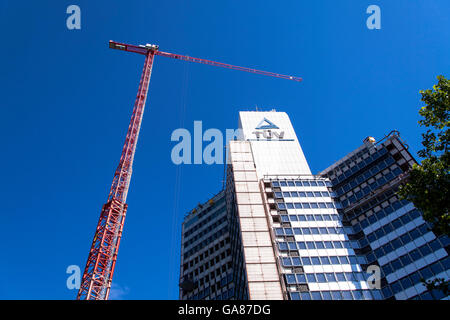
point(317, 259)
point(206, 265)
point(390, 232)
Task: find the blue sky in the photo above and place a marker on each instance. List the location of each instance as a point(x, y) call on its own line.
point(67, 98)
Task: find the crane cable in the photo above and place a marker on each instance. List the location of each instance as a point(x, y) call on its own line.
point(175, 213)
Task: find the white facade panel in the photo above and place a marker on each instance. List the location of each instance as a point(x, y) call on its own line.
point(279, 155)
point(260, 263)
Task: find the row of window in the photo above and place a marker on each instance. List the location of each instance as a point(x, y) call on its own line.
point(303, 194)
point(309, 217)
point(369, 171)
point(412, 256)
point(435, 294)
point(308, 230)
point(359, 166)
point(212, 275)
point(204, 231)
point(201, 214)
point(372, 187)
point(200, 224)
point(393, 225)
point(398, 242)
point(306, 261)
point(337, 295)
point(205, 242)
point(384, 212)
point(373, 202)
point(415, 277)
point(213, 250)
point(303, 245)
point(326, 277)
point(227, 295)
point(301, 183)
point(308, 205)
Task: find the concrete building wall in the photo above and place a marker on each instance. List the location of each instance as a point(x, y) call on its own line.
point(260, 263)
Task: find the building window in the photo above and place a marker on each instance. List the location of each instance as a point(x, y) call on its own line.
point(305, 296)
point(311, 277)
point(320, 277)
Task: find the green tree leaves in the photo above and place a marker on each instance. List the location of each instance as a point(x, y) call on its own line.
point(429, 183)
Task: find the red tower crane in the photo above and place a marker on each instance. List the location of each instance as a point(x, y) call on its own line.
point(99, 270)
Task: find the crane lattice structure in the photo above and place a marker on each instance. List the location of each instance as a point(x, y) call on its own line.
point(99, 270)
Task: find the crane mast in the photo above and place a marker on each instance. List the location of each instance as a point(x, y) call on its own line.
point(97, 276)
point(99, 270)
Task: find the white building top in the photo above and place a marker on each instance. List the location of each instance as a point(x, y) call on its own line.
point(274, 144)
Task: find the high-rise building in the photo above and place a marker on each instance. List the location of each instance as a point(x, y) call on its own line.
point(279, 232)
point(209, 268)
point(387, 231)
